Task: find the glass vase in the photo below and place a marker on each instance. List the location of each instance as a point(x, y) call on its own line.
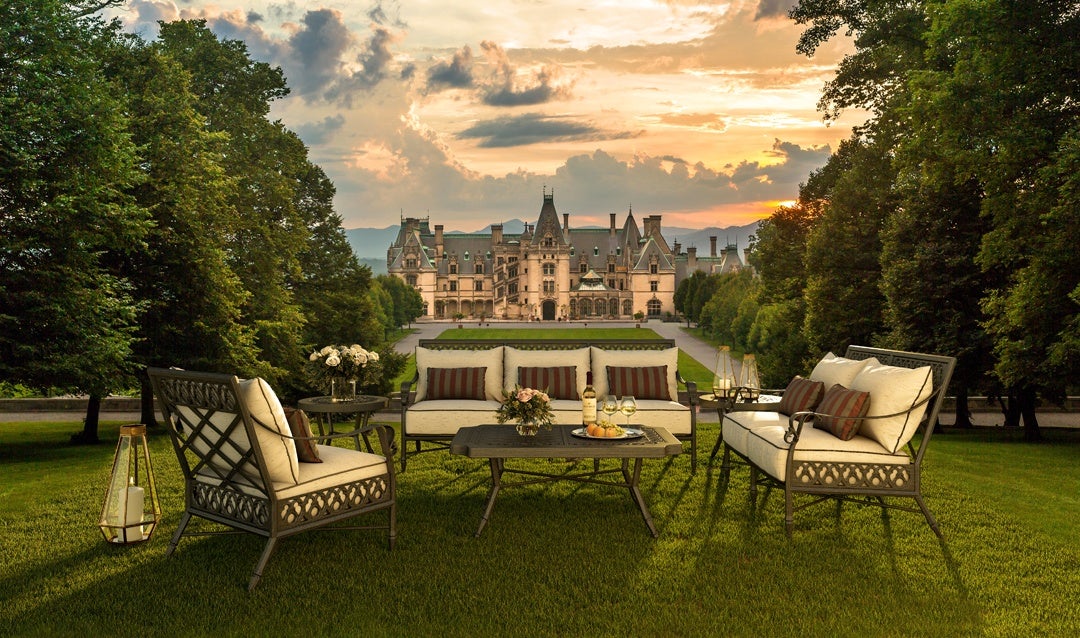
point(342, 389)
point(527, 428)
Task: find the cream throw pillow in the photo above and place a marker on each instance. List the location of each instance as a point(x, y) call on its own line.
point(833, 370)
point(893, 389)
point(278, 450)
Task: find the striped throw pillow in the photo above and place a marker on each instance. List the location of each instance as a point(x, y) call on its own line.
point(845, 409)
point(306, 452)
point(455, 383)
point(647, 382)
point(802, 395)
point(560, 382)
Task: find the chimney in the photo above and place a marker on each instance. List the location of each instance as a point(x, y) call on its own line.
point(438, 239)
point(691, 258)
point(566, 220)
point(496, 233)
point(712, 246)
point(678, 247)
point(612, 229)
point(652, 225)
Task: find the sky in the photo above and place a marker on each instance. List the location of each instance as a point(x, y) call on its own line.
point(466, 111)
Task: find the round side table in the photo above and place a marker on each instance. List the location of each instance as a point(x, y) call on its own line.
point(324, 409)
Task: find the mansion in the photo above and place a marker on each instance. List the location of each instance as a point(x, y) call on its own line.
point(550, 271)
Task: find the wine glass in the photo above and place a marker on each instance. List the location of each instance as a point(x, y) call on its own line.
point(609, 406)
point(628, 406)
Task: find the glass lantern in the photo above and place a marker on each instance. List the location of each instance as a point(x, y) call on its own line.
point(725, 384)
point(131, 511)
point(749, 381)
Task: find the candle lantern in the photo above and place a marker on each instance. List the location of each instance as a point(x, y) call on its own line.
point(131, 511)
point(749, 380)
point(724, 384)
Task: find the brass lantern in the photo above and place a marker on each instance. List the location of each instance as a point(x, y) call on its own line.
point(725, 384)
point(131, 511)
point(749, 381)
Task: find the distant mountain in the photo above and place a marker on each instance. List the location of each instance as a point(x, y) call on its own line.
point(370, 244)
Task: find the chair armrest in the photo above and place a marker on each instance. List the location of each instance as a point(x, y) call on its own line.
point(691, 388)
point(406, 389)
point(387, 441)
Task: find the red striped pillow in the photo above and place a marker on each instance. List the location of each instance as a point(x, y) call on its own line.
point(456, 383)
point(802, 395)
point(846, 407)
point(649, 382)
point(560, 382)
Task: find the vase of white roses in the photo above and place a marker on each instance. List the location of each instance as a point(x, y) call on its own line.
point(531, 409)
point(337, 369)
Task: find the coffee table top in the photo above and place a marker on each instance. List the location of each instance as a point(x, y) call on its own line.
point(503, 441)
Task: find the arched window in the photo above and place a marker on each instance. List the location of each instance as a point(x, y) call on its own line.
point(653, 307)
point(585, 307)
point(613, 306)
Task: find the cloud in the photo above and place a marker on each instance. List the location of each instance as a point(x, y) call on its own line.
point(455, 73)
point(320, 132)
point(774, 8)
point(534, 128)
point(318, 49)
point(505, 90)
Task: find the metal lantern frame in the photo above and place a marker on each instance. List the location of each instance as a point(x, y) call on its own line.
point(749, 379)
point(725, 381)
point(131, 511)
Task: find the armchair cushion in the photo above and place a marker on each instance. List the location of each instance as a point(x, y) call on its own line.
point(271, 430)
point(802, 395)
point(560, 382)
point(300, 425)
point(894, 390)
point(641, 382)
point(492, 359)
point(841, 411)
point(456, 383)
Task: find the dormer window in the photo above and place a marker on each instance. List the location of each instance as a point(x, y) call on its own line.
point(595, 251)
point(466, 255)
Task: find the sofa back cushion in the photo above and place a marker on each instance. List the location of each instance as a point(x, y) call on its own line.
point(516, 358)
point(456, 383)
point(894, 390)
point(560, 382)
point(841, 411)
point(641, 382)
point(833, 370)
point(271, 430)
point(801, 395)
point(601, 359)
point(492, 359)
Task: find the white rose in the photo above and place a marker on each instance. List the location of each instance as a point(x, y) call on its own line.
point(333, 360)
point(373, 356)
point(327, 350)
point(314, 356)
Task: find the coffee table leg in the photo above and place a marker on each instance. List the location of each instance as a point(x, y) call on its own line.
point(496, 483)
point(635, 492)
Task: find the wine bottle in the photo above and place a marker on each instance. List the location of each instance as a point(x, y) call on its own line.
point(588, 401)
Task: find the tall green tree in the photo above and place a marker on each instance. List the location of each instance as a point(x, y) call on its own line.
point(67, 165)
point(408, 304)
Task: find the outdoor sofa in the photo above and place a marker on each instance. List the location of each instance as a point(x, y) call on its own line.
point(441, 398)
point(795, 444)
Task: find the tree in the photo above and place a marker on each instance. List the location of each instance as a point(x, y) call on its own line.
point(408, 304)
point(66, 321)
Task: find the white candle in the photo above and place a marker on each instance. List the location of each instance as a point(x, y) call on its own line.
point(133, 515)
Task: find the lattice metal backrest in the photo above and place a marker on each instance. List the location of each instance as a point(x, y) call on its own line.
point(548, 344)
point(210, 429)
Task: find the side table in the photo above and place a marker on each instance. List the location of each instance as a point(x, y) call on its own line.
point(324, 409)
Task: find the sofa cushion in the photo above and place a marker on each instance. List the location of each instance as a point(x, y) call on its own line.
point(737, 424)
point(894, 390)
point(300, 426)
point(801, 395)
point(445, 417)
point(841, 411)
point(492, 359)
point(560, 382)
point(271, 430)
point(832, 370)
point(601, 359)
point(640, 382)
point(516, 358)
point(455, 383)
point(766, 448)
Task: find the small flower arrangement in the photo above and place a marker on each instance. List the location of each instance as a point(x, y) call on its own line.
point(525, 405)
point(349, 362)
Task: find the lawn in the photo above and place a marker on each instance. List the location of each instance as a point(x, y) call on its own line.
point(561, 559)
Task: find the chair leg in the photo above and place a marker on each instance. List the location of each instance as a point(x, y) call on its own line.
point(753, 481)
point(789, 511)
point(257, 574)
point(179, 532)
point(393, 525)
point(930, 520)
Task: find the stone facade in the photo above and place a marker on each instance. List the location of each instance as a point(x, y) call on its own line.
point(550, 271)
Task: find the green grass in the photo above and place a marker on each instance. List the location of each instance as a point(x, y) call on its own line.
point(560, 559)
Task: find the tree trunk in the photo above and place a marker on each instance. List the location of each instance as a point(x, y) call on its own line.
point(89, 432)
point(963, 411)
point(1010, 410)
point(1026, 408)
point(146, 401)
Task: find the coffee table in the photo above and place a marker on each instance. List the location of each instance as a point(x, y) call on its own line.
point(498, 443)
